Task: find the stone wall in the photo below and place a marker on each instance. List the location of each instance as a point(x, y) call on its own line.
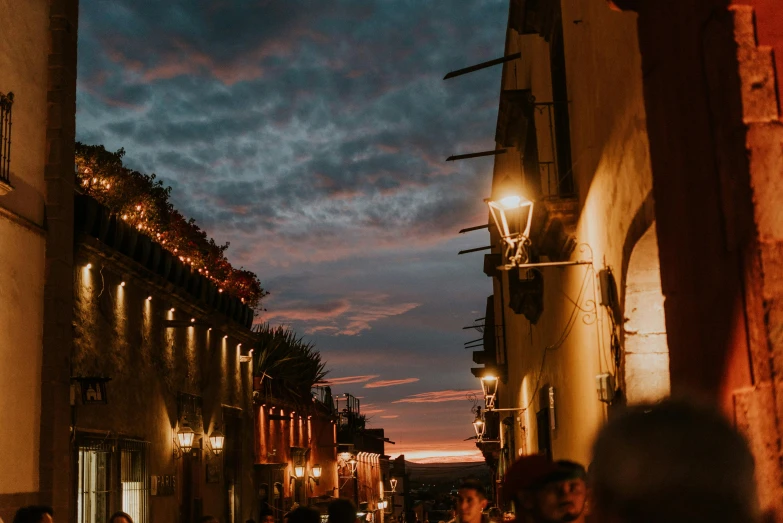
point(152, 354)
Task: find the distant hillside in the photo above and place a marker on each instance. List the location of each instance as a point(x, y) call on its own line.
point(451, 473)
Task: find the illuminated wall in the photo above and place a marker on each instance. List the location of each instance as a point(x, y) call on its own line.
point(645, 373)
point(285, 438)
point(570, 344)
point(23, 60)
point(156, 343)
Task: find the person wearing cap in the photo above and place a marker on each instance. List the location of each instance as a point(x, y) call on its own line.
point(546, 491)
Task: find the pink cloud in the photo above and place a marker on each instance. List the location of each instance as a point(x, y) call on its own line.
point(390, 417)
point(439, 396)
point(302, 312)
point(347, 380)
point(390, 383)
point(372, 411)
point(346, 317)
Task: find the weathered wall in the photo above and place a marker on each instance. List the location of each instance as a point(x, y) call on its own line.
point(24, 47)
point(715, 146)
point(645, 373)
point(569, 346)
point(768, 22)
point(120, 334)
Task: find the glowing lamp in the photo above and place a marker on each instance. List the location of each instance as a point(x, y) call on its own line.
point(217, 439)
point(512, 214)
point(317, 471)
point(479, 426)
point(511, 202)
point(122, 284)
point(192, 320)
point(299, 471)
point(352, 462)
point(89, 265)
point(393, 483)
point(489, 384)
point(185, 436)
point(172, 309)
point(149, 298)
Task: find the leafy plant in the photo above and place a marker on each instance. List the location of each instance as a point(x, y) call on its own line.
point(291, 365)
point(143, 201)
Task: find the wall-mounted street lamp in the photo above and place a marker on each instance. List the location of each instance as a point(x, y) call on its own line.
point(489, 385)
point(216, 440)
point(479, 425)
point(315, 474)
point(183, 443)
point(513, 217)
point(299, 471)
point(393, 483)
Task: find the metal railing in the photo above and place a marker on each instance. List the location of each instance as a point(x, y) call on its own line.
point(556, 174)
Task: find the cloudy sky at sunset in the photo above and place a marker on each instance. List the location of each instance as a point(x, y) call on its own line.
point(312, 137)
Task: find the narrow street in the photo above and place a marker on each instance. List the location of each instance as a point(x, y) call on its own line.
point(437, 261)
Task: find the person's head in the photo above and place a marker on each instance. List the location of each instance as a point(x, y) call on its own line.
point(342, 511)
point(267, 516)
point(34, 514)
point(120, 517)
point(304, 515)
point(471, 501)
point(673, 461)
point(547, 491)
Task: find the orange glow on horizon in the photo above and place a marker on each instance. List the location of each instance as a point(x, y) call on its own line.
point(442, 456)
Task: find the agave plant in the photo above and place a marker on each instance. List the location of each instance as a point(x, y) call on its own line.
point(287, 365)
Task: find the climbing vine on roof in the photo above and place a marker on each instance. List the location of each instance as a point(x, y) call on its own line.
point(144, 202)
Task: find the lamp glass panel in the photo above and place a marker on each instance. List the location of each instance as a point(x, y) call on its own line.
point(217, 440)
point(490, 385)
point(479, 427)
point(299, 471)
point(185, 437)
point(316, 471)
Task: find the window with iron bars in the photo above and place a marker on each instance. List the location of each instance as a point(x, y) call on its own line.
point(112, 476)
point(6, 102)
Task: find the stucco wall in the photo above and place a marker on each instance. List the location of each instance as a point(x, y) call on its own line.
point(24, 48)
point(120, 334)
point(569, 345)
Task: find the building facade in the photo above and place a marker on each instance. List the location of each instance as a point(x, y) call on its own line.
point(652, 171)
point(158, 353)
point(363, 467)
point(296, 450)
point(37, 129)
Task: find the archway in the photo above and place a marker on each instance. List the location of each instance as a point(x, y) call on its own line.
point(646, 355)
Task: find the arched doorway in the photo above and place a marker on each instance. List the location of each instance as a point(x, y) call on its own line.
point(646, 355)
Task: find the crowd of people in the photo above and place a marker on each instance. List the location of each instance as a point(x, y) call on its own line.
point(674, 462)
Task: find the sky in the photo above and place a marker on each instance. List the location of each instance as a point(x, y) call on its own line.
point(312, 136)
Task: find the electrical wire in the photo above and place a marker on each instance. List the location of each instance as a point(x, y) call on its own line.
point(563, 335)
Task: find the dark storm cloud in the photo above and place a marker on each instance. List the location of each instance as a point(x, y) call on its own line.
point(271, 106)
